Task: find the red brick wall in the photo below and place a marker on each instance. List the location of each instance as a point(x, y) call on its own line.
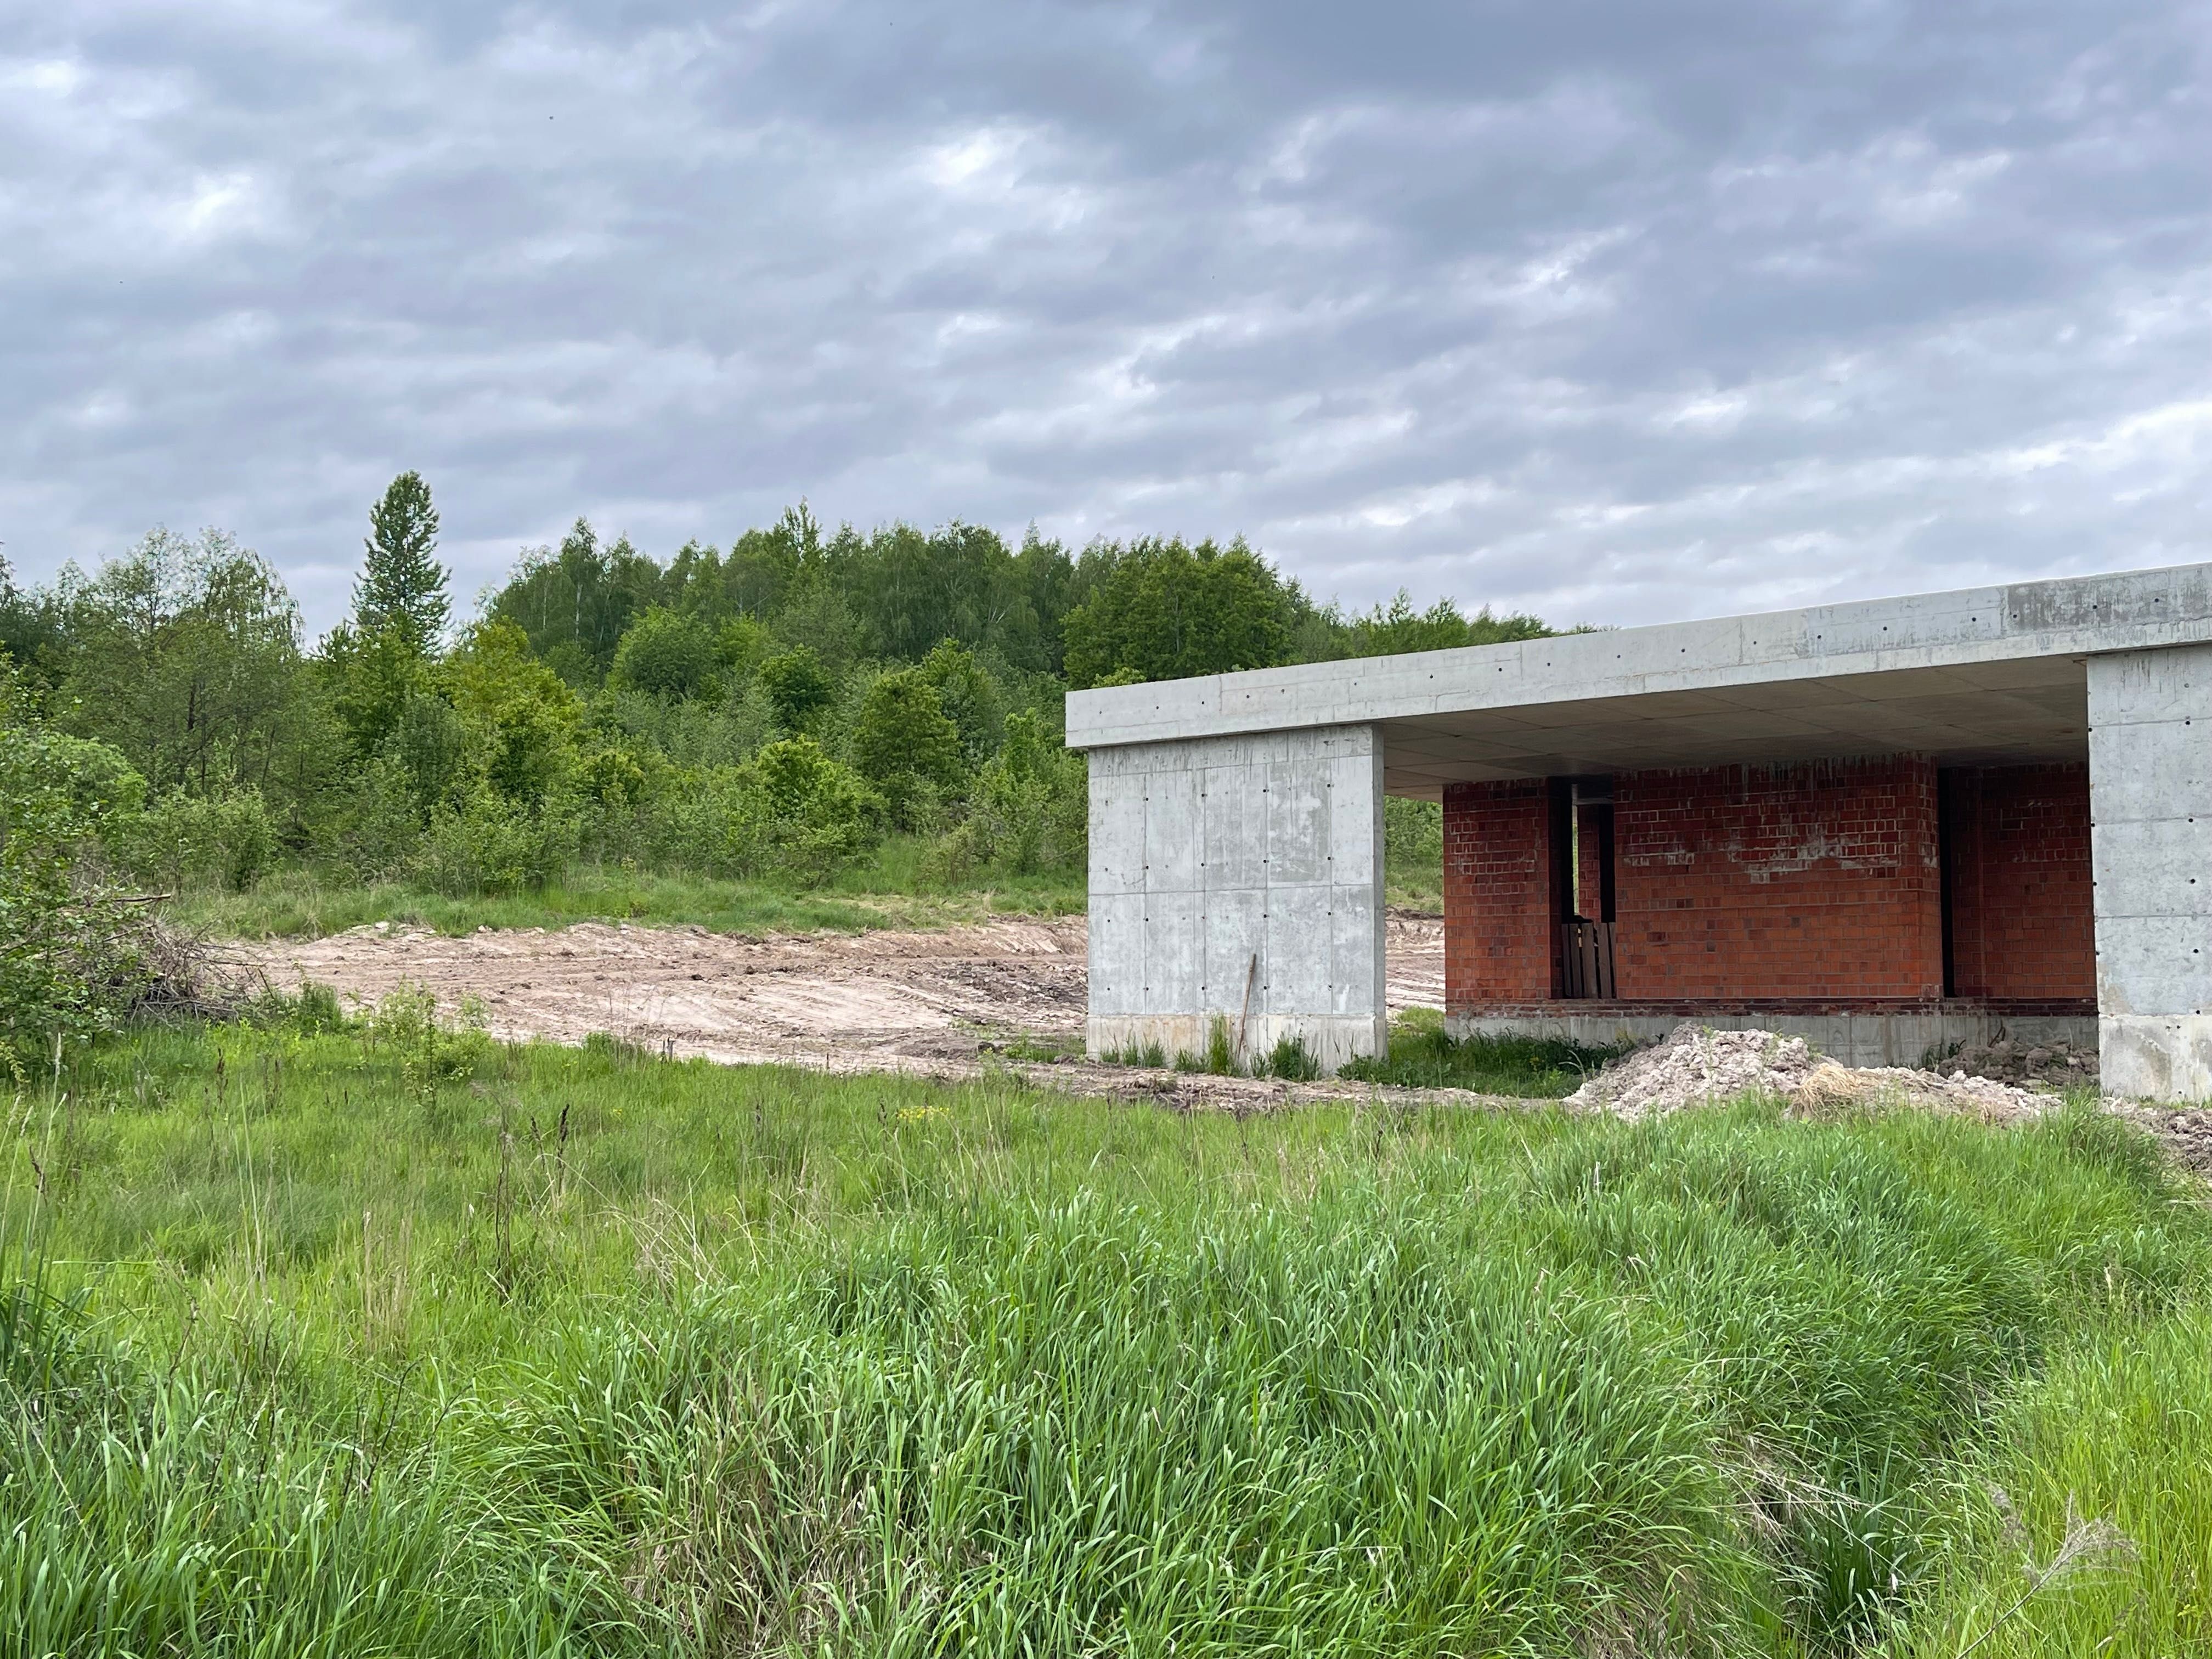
point(1497, 892)
point(2021, 921)
point(1816, 880)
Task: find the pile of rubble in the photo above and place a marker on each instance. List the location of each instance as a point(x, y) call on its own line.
point(1695, 1065)
point(2061, 1064)
point(2186, 1135)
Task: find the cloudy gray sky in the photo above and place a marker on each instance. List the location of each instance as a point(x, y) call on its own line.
point(1621, 310)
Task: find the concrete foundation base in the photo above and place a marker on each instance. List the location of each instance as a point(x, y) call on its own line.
point(1330, 1039)
point(2157, 1056)
point(1855, 1036)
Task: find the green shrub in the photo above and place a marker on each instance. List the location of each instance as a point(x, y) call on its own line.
point(181, 839)
point(667, 655)
point(817, 816)
point(71, 958)
point(431, 745)
point(490, 845)
point(791, 812)
point(903, 745)
point(376, 830)
point(970, 697)
point(797, 686)
point(1029, 810)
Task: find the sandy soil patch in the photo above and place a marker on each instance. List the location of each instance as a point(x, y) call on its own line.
point(946, 1003)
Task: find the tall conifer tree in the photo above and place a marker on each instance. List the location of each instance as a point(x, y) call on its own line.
point(403, 587)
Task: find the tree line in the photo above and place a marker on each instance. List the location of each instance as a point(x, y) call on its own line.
point(774, 709)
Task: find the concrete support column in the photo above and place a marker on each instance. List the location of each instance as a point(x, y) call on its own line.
point(2151, 805)
point(1238, 880)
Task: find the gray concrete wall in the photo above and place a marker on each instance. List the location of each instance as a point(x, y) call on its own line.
point(2150, 839)
point(1870, 1039)
point(1220, 864)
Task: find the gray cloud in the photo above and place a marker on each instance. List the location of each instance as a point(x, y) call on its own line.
point(1612, 310)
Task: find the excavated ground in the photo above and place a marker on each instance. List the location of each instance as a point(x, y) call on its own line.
point(1008, 996)
point(954, 1002)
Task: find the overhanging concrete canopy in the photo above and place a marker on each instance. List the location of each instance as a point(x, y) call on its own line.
point(1977, 677)
point(1237, 821)
point(1989, 714)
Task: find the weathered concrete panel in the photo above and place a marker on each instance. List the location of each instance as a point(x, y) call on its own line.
point(1172, 959)
point(1235, 797)
point(1172, 825)
point(2150, 725)
point(1355, 806)
point(1236, 930)
point(2178, 851)
point(1356, 955)
point(1297, 822)
point(1296, 979)
point(1860, 1039)
point(2146, 768)
point(1257, 863)
point(1117, 952)
point(2154, 964)
point(2155, 1057)
point(1117, 839)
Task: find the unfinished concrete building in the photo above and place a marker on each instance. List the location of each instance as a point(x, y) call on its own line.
point(1884, 826)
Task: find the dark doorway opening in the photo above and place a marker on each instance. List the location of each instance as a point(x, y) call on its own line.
point(1582, 886)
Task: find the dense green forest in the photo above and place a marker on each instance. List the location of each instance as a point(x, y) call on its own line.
point(770, 711)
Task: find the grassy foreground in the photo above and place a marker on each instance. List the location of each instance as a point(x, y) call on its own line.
point(335, 1342)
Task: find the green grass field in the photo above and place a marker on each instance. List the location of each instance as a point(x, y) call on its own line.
point(893, 887)
point(1421, 1056)
point(889, 891)
point(391, 1341)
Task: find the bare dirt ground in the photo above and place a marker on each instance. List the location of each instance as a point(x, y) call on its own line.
point(946, 1004)
point(1006, 996)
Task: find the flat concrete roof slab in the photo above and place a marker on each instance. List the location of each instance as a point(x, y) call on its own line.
point(1985, 676)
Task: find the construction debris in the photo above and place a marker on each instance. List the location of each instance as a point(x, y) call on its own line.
point(2010, 1060)
point(1695, 1064)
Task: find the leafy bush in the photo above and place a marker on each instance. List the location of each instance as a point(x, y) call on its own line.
point(71, 957)
point(431, 745)
point(522, 718)
point(791, 811)
point(490, 845)
point(817, 816)
point(182, 840)
point(667, 654)
point(904, 745)
point(377, 829)
point(1029, 810)
point(970, 697)
point(797, 686)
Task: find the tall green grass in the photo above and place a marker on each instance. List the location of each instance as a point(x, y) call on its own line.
point(892, 888)
point(2087, 1517)
point(390, 1340)
point(1422, 1055)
